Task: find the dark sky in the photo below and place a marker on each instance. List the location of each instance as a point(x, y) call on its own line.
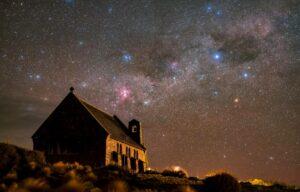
point(214, 83)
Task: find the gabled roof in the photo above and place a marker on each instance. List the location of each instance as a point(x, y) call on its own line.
point(112, 124)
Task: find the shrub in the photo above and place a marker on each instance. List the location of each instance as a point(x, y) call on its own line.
point(72, 185)
point(47, 171)
point(151, 172)
point(222, 182)
point(60, 167)
point(90, 176)
point(183, 189)
point(71, 175)
point(32, 184)
point(96, 189)
point(194, 178)
point(279, 186)
point(23, 161)
point(113, 169)
point(173, 173)
point(2, 187)
point(117, 186)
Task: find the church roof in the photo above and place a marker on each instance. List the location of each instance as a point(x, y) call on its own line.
point(112, 124)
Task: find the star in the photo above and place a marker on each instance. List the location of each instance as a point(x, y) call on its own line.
point(236, 100)
point(127, 57)
point(219, 13)
point(215, 93)
point(45, 99)
point(217, 56)
point(245, 75)
point(38, 77)
point(21, 57)
point(209, 9)
point(84, 84)
point(146, 102)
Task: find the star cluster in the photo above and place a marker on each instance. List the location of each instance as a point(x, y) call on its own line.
point(214, 83)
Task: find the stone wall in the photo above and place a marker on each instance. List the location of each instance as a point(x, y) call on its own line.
point(112, 147)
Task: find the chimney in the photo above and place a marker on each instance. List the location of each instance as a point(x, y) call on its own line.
point(136, 130)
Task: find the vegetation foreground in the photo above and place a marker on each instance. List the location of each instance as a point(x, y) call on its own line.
point(23, 170)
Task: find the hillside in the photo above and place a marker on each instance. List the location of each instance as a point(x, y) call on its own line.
point(25, 170)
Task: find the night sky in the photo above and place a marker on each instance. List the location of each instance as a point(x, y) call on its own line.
point(214, 83)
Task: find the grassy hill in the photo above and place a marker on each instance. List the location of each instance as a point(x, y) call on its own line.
point(24, 170)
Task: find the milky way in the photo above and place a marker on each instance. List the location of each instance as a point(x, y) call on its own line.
point(214, 83)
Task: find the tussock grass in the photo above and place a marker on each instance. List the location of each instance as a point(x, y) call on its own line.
point(25, 171)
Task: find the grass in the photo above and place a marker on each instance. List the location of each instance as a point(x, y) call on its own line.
point(23, 171)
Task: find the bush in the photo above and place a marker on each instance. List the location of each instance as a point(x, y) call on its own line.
point(115, 169)
point(23, 161)
point(117, 186)
point(194, 179)
point(151, 172)
point(32, 184)
point(172, 173)
point(222, 182)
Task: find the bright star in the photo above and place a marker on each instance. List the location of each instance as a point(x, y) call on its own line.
point(146, 102)
point(38, 77)
point(217, 56)
point(236, 100)
point(209, 9)
point(127, 57)
point(245, 75)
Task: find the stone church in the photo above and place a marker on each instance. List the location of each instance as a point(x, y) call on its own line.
point(78, 131)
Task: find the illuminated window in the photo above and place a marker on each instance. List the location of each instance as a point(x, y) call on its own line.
point(134, 129)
